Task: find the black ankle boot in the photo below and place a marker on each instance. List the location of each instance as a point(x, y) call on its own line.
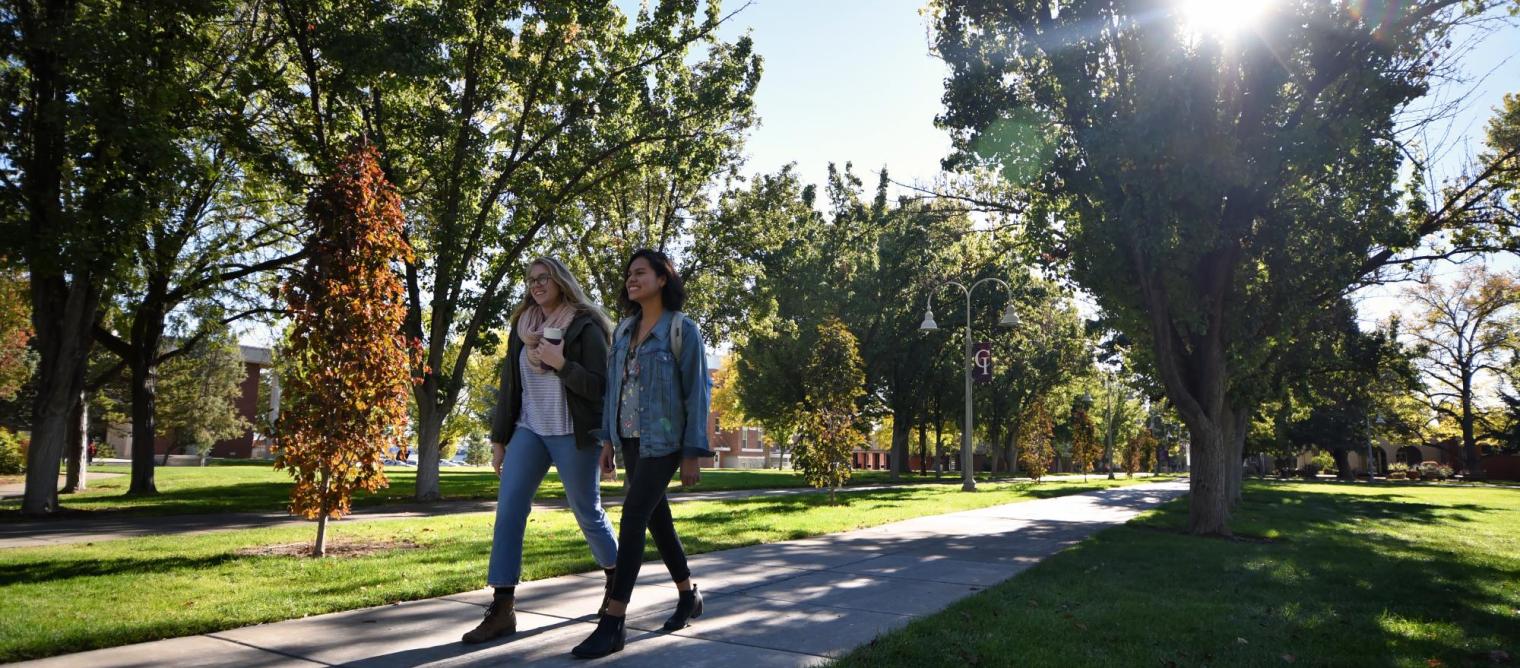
point(606, 639)
point(607, 591)
point(687, 609)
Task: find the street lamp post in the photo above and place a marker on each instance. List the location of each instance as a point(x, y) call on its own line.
point(1009, 319)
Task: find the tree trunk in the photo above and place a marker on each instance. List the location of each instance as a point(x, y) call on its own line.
point(939, 446)
point(1013, 444)
point(65, 292)
point(1108, 446)
point(902, 423)
point(1342, 464)
point(923, 445)
point(74, 479)
point(319, 548)
point(429, 428)
point(1241, 423)
point(144, 393)
point(1208, 488)
point(64, 317)
point(1471, 461)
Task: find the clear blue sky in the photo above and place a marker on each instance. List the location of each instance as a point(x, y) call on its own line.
point(844, 81)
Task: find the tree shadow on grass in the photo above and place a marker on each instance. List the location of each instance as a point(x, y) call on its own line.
point(37, 572)
point(1332, 579)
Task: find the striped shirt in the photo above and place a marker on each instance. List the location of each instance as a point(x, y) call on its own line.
point(544, 410)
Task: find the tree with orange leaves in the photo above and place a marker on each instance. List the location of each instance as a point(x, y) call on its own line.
point(348, 366)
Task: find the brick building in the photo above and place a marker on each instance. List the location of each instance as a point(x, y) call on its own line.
point(244, 446)
point(743, 448)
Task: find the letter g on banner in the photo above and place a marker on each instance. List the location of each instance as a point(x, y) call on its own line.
point(981, 361)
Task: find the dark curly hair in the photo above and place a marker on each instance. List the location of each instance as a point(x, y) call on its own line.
point(672, 296)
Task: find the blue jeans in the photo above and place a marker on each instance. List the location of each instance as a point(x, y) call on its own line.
point(527, 460)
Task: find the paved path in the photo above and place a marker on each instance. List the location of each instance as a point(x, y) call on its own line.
point(111, 526)
point(783, 604)
point(18, 489)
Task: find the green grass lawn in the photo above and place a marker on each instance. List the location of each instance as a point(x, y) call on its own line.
point(1322, 575)
point(84, 596)
point(259, 488)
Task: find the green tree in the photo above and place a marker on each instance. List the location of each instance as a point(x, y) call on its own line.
point(198, 392)
point(1184, 180)
point(1047, 349)
point(496, 120)
point(347, 365)
point(1463, 331)
point(95, 96)
point(834, 381)
point(1505, 429)
point(477, 451)
point(11, 461)
point(784, 315)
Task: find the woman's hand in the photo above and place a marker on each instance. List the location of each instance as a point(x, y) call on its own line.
point(609, 461)
point(552, 354)
point(691, 471)
point(498, 453)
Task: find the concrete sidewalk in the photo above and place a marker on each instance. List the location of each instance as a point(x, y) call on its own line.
point(782, 604)
point(112, 526)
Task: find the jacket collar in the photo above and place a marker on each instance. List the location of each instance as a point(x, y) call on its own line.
point(661, 329)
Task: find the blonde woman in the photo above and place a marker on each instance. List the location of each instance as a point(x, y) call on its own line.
point(549, 404)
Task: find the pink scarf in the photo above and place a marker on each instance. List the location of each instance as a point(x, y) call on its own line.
point(530, 328)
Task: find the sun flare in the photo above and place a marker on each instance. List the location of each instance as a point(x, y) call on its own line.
point(1222, 19)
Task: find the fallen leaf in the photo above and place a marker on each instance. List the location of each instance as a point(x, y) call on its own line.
point(1082, 626)
point(1288, 658)
point(1434, 663)
point(1242, 641)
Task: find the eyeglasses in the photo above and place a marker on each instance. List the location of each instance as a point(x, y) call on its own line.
point(538, 281)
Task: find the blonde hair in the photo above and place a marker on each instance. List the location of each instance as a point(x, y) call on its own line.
point(569, 290)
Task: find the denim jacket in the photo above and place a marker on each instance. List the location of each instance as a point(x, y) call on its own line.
point(673, 394)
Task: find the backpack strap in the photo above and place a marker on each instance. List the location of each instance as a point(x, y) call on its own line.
point(677, 332)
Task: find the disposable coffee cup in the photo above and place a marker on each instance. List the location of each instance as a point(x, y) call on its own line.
point(552, 335)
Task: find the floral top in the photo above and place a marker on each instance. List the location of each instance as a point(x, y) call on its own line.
point(628, 398)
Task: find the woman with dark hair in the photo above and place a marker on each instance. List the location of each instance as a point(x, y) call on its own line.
point(548, 408)
point(655, 409)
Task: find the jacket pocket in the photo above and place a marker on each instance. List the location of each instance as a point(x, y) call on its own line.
point(662, 396)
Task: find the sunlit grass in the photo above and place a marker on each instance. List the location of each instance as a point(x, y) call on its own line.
point(76, 597)
point(1400, 575)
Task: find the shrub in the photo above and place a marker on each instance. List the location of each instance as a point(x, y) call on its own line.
point(1398, 467)
point(1309, 471)
point(477, 452)
point(12, 456)
point(1434, 471)
point(104, 449)
point(1324, 461)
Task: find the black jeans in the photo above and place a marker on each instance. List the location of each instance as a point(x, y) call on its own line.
point(645, 507)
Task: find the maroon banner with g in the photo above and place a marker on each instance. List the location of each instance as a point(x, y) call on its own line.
point(981, 361)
